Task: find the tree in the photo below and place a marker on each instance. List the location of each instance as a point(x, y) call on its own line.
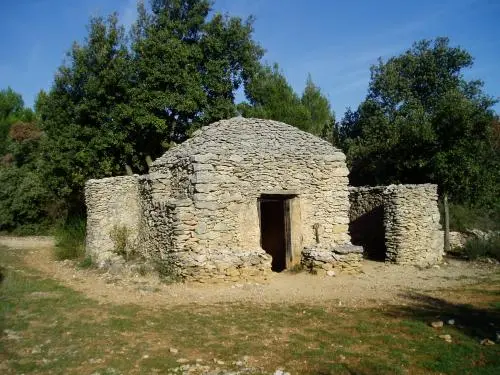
point(270, 96)
point(86, 115)
point(11, 110)
point(23, 196)
point(423, 122)
point(322, 117)
point(187, 67)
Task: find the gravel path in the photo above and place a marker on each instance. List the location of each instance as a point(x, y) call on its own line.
point(379, 284)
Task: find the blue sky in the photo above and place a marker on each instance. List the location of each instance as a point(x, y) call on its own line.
point(335, 41)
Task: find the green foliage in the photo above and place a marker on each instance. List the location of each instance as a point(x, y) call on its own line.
point(271, 96)
point(26, 204)
point(322, 117)
point(463, 218)
point(86, 262)
point(483, 248)
point(24, 201)
point(166, 269)
point(120, 235)
point(70, 239)
point(119, 102)
point(186, 69)
point(423, 122)
point(85, 116)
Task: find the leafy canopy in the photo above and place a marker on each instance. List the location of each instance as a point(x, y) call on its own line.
point(270, 96)
point(422, 121)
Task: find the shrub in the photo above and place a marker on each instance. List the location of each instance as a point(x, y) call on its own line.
point(166, 270)
point(70, 239)
point(483, 248)
point(464, 217)
point(23, 198)
point(86, 262)
point(119, 235)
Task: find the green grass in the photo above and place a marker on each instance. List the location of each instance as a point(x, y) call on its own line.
point(70, 239)
point(63, 332)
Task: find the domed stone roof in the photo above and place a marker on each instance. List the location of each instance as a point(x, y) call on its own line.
point(248, 137)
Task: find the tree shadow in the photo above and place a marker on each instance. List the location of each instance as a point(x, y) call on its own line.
point(475, 322)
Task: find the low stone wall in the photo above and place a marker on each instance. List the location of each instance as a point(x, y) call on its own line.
point(320, 259)
point(407, 216)
point(112, 204)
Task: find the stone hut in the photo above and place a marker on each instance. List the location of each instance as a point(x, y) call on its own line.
point(240, 198)
point(244, 197)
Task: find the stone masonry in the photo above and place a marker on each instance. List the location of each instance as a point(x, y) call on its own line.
point(111, 202)
point(409, 218)
point(202, 213)
point(198, 209)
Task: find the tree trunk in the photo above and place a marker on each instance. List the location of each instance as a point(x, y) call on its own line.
point(446, 224)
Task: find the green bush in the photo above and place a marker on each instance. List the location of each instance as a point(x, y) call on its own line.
point(119, 235)
point(70, 239)
point(481, 248)
point(167, 272)
point(464, 217)
point(23, 202)
point(86, 262)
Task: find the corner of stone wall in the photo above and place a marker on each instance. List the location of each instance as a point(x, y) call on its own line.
point(112, 204)
point(412, 229)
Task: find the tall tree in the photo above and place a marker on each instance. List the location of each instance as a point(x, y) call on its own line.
point(86, 116)
point(23, 195)
point(12, 109)
point(271, 97)
point(322, 117)
point(422, 121)
point(187, 67)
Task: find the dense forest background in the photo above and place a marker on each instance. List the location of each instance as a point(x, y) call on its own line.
point(121, 99)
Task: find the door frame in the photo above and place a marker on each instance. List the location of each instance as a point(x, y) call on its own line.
point(291, 211)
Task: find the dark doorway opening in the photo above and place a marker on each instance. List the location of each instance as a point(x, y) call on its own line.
point(275, 229)
point(368, 231)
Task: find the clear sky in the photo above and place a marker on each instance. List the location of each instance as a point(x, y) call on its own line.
point(334, 40)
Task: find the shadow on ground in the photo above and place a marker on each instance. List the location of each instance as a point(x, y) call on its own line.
point(475, 322)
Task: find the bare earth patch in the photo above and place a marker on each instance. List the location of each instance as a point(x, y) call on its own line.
point(379, 284)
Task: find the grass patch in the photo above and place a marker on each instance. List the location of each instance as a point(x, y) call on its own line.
point(86, 262)
point(70, 239)
point(53, 329)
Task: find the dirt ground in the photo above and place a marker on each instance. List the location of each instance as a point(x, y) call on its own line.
point(378, 284)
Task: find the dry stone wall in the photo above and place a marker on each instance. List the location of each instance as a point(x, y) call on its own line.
point(412, 229)
point(198, 209)
point(112, 204)
point(407, 216)
point(229, 166)
point(196, 214)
